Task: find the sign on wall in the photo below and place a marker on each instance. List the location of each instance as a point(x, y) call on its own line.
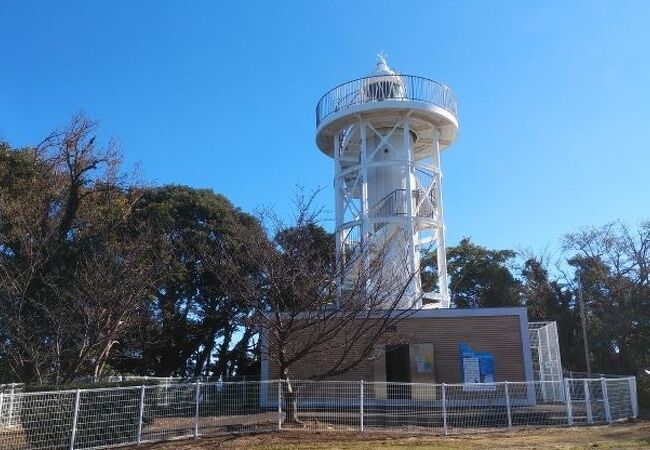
point(476, 368)
point(422, 370)
point(424, 362)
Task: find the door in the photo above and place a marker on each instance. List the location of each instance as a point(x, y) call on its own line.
point(398, 370)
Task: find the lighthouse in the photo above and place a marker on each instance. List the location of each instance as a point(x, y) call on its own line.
point(386, 132)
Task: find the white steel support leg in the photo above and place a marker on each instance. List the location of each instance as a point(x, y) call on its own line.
point(340, 207)
point(410, 232)
point(338, 192)
point(440, 228)
point(364, 183)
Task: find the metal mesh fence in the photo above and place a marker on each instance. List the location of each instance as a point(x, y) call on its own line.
point(545, 352)
point(108, 417)
point(408, 408)
point(9, 406)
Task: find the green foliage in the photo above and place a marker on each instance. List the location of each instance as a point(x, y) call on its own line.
point(107, 416)
point(643, 393)
point(191, 309)
point(611, 264)
point(306, 252)
point(479, 277)
point(57, 412)
point(89, 385)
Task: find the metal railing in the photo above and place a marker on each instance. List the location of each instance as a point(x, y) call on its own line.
point(396, 204)
point(574, 374)
point(380, 88)
point(108, 417)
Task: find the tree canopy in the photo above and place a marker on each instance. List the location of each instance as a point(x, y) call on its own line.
point(101, 273)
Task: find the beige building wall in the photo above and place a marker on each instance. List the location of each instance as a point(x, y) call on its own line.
point(500, 331)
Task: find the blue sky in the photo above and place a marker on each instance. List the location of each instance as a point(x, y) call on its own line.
point(554, 97)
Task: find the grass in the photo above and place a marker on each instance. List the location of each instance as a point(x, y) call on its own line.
point(620, 436)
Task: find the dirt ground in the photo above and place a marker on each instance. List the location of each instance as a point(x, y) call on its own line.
point(618, 436)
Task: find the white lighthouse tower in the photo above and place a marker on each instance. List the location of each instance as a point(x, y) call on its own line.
point(386, 132)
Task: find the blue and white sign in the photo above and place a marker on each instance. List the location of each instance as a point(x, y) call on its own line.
point(475, 368)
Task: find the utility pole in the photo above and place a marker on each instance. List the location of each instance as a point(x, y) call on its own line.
point(583, 320)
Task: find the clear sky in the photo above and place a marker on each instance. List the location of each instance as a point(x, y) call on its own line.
point(554, 97)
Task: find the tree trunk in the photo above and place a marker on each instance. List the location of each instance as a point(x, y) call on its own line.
point(203, 359)
point(222, 356)
point(237, 355)
point(291, 398)
point(101, 361)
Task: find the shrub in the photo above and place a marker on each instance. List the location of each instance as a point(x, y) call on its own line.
point(643, 394)
point(46, 419)
point(107, 415)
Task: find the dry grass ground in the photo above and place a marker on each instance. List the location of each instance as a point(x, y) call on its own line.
point(619, 436)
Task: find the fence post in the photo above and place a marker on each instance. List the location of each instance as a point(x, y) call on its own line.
point(608, 411)
point(361, 405)
point(444, 408)
point(11, 404)
point(196, 409)
point(508, 405)
point(590, 417)
point(633, 398)
point(75, 417)
point(567, 395)
point(141, 414)
point(279, 404)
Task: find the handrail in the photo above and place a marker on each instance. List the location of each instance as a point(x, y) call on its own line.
point(394, 204)
point(380, 204)
point(379, 88)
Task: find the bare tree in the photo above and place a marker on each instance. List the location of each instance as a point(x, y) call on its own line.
point(611, 264)
point(306, 306)
point(109, 296)
point(68, 260)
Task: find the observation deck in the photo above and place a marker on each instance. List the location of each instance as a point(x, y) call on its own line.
point(420, 97)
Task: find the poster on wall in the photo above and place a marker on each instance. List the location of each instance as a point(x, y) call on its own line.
point(424, 358)
point(476, 368)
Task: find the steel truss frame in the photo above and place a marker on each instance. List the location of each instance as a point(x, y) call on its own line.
point(360, 224)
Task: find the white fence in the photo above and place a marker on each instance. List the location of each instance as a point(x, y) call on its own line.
point(545, 351)
point(8, 407)
point(109, 417)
